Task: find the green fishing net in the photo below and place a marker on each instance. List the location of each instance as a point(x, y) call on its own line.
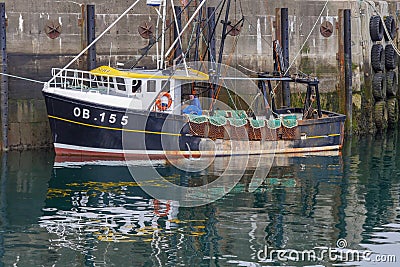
point(257, 124)
point(239, 119)
point(220, 113)
point(290, 121)
point(217, 121)
point(237, 122)
point(274, 124)
point(239, 114)
point(197, 119)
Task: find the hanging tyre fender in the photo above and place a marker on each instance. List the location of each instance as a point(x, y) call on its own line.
point(381, 115)
point(377, 58)
point(379, 86)
point(376, 28)
point(391, 84)
point(391, 57)
point(390, 24)
point(393, 111)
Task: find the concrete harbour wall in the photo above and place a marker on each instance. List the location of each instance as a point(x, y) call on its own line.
point(32, 53)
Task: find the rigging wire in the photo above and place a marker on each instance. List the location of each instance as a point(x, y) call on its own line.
point(186, 26)
point(190, 43)
point(202, 32)
point(189, 48)
point(220, 86)
point(159, 37)
point(178, 30)
point(269, 43)
point(208, 50)
point(168, 27)
point(95, 41)
point(302, 47)
point(308, 37)
point(235, 45)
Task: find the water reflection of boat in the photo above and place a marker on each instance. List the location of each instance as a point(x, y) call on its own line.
point(102, 199)
point(79, 215)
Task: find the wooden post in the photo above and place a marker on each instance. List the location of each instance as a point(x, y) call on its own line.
point(341, 65)
point(278, 32)
point(4, 79)
point(82, 25)
point(285, 52)
point(91, 36)
point(345, 68)
point(398, 43)
point(348, 71)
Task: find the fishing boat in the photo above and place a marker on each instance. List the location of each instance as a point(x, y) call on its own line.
point(180, 111)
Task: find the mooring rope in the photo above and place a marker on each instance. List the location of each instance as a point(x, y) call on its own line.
point(22, 78)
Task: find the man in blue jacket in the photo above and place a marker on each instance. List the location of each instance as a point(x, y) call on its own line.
point(194, 107)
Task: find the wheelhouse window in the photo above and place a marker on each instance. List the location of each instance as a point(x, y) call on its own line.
point(136, 86)
point(151, 86)
point(120, 84)
point(165, 86)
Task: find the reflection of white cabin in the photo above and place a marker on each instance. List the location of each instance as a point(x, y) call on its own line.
point(136, 89)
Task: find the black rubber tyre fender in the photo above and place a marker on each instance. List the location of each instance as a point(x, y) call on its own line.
point(390, 24)
point(381, 115)
point(376, 28)
point(393, 111)
point(377, 58)
point(379, 86)
point(391, 84)
point(391, 57)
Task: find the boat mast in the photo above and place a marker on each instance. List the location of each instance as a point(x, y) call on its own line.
point(224, 34)
point(216, 77)
point(159, 17)
point(164, 21)
point(198, 32)
point(177, 27)
point(185, 28)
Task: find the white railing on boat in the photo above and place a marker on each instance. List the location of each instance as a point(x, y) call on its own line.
point(85, 81)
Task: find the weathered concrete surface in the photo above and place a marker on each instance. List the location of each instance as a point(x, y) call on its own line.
point(27, 125)
point(32, 54)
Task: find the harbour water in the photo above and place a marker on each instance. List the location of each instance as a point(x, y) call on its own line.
point(97, 215)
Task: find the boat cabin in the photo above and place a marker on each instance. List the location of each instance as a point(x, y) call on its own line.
point(152, 90)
